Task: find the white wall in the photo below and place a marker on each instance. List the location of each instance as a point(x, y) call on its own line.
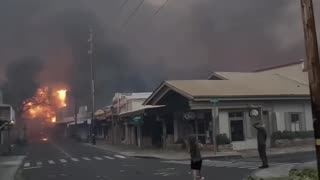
point(224, 125)
point(137, 103)
point(282, 107)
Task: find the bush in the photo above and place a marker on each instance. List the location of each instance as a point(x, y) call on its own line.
point(305, 174)
point(291, 135)
point(222, 139)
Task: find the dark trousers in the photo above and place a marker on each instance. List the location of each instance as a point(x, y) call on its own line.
point(263, 154)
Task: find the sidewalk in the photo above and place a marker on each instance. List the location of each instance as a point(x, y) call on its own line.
point(133, 151)
point(278, 151)
point(9, 166)
point(159, 153)
point(281, 171)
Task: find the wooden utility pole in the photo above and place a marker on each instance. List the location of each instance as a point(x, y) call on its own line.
point(313, 68)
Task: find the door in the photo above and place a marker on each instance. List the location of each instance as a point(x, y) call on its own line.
point(237, 130)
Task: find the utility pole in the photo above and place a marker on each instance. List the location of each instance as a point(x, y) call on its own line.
point(313, 68)
point(90, 53)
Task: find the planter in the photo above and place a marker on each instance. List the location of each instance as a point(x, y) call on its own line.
point(226, 147)
point(175, 146)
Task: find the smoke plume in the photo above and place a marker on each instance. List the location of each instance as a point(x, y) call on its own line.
point(186, 39)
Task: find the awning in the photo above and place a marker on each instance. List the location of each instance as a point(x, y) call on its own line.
point(140, 110)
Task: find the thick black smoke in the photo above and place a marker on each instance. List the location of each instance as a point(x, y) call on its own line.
point(21, 83)
point(112, 70)
point(186, 39)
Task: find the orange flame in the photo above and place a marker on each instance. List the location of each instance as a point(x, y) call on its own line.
point(44, 104)
point(53, 119)
point(62, 94)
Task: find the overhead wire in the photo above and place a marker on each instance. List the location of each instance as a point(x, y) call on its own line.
point(132, 14)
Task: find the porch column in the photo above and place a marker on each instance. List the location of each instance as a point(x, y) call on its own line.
point(139, 135)
point(214, 113)
point(196, 128)
point(164, 133)
point(175, 127)
point(126, 133)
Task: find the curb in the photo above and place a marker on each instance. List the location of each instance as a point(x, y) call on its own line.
point(159, 158)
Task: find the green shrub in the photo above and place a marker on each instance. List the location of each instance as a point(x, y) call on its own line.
point(222, 139)
point(291, 135)
point(305, 174)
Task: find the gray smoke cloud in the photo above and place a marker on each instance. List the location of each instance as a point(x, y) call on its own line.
point(186, 39)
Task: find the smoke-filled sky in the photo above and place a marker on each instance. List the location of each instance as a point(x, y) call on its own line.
point(186, 39)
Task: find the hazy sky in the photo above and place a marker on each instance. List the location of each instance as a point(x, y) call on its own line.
point(186, 39)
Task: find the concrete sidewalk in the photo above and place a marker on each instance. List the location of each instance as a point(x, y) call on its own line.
point(281, 171)
point(159, 153)
point(134, 151)
point(278, 151)
point(9, 166)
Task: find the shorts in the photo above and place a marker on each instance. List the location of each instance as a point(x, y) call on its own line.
point(196, 165)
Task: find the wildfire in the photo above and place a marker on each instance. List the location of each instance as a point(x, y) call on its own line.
point(62, 94)
point(44, 104)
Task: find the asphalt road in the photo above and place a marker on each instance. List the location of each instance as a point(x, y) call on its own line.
point(74, 161)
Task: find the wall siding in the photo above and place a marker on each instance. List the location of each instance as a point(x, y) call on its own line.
point(224, 125)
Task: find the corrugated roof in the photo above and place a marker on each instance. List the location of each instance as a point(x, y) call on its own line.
point(257, 85)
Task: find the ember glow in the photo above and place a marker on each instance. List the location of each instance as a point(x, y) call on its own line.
point(45, 104)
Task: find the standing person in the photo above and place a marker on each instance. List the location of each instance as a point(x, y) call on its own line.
point(196, 159)
point(262, 141)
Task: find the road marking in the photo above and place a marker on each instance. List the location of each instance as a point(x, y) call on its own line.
point(75, 159)
point(39, 163)
point(63, 161)
point(119, 156)
point(26, 164)
point(35, 167)
point(51, 162)
point(97, 158)
point(61, 150)
point(108, 157)
point(85, 158)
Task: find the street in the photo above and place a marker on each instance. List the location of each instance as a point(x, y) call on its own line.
point(75, 161)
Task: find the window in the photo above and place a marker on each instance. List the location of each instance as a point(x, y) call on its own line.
point(265, 113)
point(295, 121)
point(236, 115)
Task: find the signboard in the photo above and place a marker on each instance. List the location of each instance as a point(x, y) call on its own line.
point(189, 115)
point(214, 101)
point(137, 121)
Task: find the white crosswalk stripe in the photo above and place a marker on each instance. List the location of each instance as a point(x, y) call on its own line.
point(27, 164)
point(75, 159)
point(39, 163)
point(98, 158)
point(108, 157)
point(119, 156)
point(51, 162)
point(86, 158)
point(63, 161)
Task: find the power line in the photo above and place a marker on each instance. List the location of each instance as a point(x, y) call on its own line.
point(123, 4)
point(160, 8)
point(132, 14)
